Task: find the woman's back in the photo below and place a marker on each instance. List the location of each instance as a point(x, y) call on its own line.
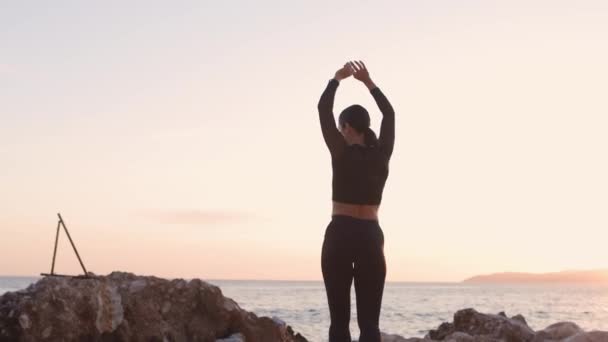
point(359, 175)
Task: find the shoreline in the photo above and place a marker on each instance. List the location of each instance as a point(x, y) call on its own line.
point(127, 289)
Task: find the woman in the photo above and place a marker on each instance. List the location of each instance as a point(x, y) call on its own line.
point(354, 237)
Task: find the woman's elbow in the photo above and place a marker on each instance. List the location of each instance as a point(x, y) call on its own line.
point(321, 105)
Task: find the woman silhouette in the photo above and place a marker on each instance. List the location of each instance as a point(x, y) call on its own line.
point(353, 246)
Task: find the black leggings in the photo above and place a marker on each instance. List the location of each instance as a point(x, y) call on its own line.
point(351, 240)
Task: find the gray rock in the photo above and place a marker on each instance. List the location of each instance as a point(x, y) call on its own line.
point(490, 326)
point(472, 326)
point(137, 285)
point(445, 329)
point(47, 332)
point(459, 337)
point(109, 308)
point(238, 337)
point(557, 332)
point(591, 336)
point(520, 318)
point(24, 321)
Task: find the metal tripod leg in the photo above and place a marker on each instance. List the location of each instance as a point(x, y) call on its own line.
point(55, 249)
point(72, 242)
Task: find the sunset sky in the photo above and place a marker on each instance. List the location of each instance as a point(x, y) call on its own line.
point(181, 139)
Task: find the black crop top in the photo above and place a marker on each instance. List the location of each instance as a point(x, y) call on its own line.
point(359, 172)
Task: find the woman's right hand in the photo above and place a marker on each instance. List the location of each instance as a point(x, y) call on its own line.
point(343, 72)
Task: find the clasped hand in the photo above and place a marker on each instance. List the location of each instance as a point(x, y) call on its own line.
point(358, 70)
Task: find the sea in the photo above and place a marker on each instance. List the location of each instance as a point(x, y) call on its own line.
point(410, 309)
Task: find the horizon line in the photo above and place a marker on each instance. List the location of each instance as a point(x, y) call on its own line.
point(244, 279)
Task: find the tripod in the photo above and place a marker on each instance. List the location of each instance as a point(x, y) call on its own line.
point(61, 223)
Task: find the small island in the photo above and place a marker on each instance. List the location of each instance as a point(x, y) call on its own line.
point(572, 276)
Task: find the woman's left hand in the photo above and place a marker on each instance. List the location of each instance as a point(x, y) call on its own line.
point(360, 72)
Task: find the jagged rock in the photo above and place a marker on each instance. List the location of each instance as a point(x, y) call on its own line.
point(472, 326)
point(557, 332)
point(484, 327)
point(520, 318)
point(492, 326)
point(441, 332)
point(591, 336)
point(126, 307)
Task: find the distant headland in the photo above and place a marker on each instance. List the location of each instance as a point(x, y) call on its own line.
point(570, 276)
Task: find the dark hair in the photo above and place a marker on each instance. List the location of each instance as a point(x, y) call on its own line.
point(358, 118)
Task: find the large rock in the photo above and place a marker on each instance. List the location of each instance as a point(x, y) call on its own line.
point(472, 326)
point(485, 326)
point(557, 332)
point(569, 332)
point(126, 307)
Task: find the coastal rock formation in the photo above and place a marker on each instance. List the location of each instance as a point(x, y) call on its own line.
point(126, 307)
point(472, 326)
point(473, 323)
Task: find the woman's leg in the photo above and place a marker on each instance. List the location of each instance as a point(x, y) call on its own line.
point(369, 274)
point(337, 267)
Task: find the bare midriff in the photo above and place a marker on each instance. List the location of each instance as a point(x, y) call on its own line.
point(361, 211)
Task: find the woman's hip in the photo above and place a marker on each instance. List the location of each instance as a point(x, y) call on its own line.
point(350, 230)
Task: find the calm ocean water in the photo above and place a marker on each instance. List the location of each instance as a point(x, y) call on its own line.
point(410, 309)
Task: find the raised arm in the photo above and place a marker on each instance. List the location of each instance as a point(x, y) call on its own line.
point(333, 138)
point(386, 139)
point(387, 127)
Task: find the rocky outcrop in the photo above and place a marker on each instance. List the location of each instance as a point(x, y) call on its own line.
point(126, 307)
point(472, 326)
point(473, 323)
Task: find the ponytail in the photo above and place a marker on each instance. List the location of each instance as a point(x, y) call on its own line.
point(370, 137)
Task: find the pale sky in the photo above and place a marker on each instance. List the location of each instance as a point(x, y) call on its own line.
point(181, 139)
